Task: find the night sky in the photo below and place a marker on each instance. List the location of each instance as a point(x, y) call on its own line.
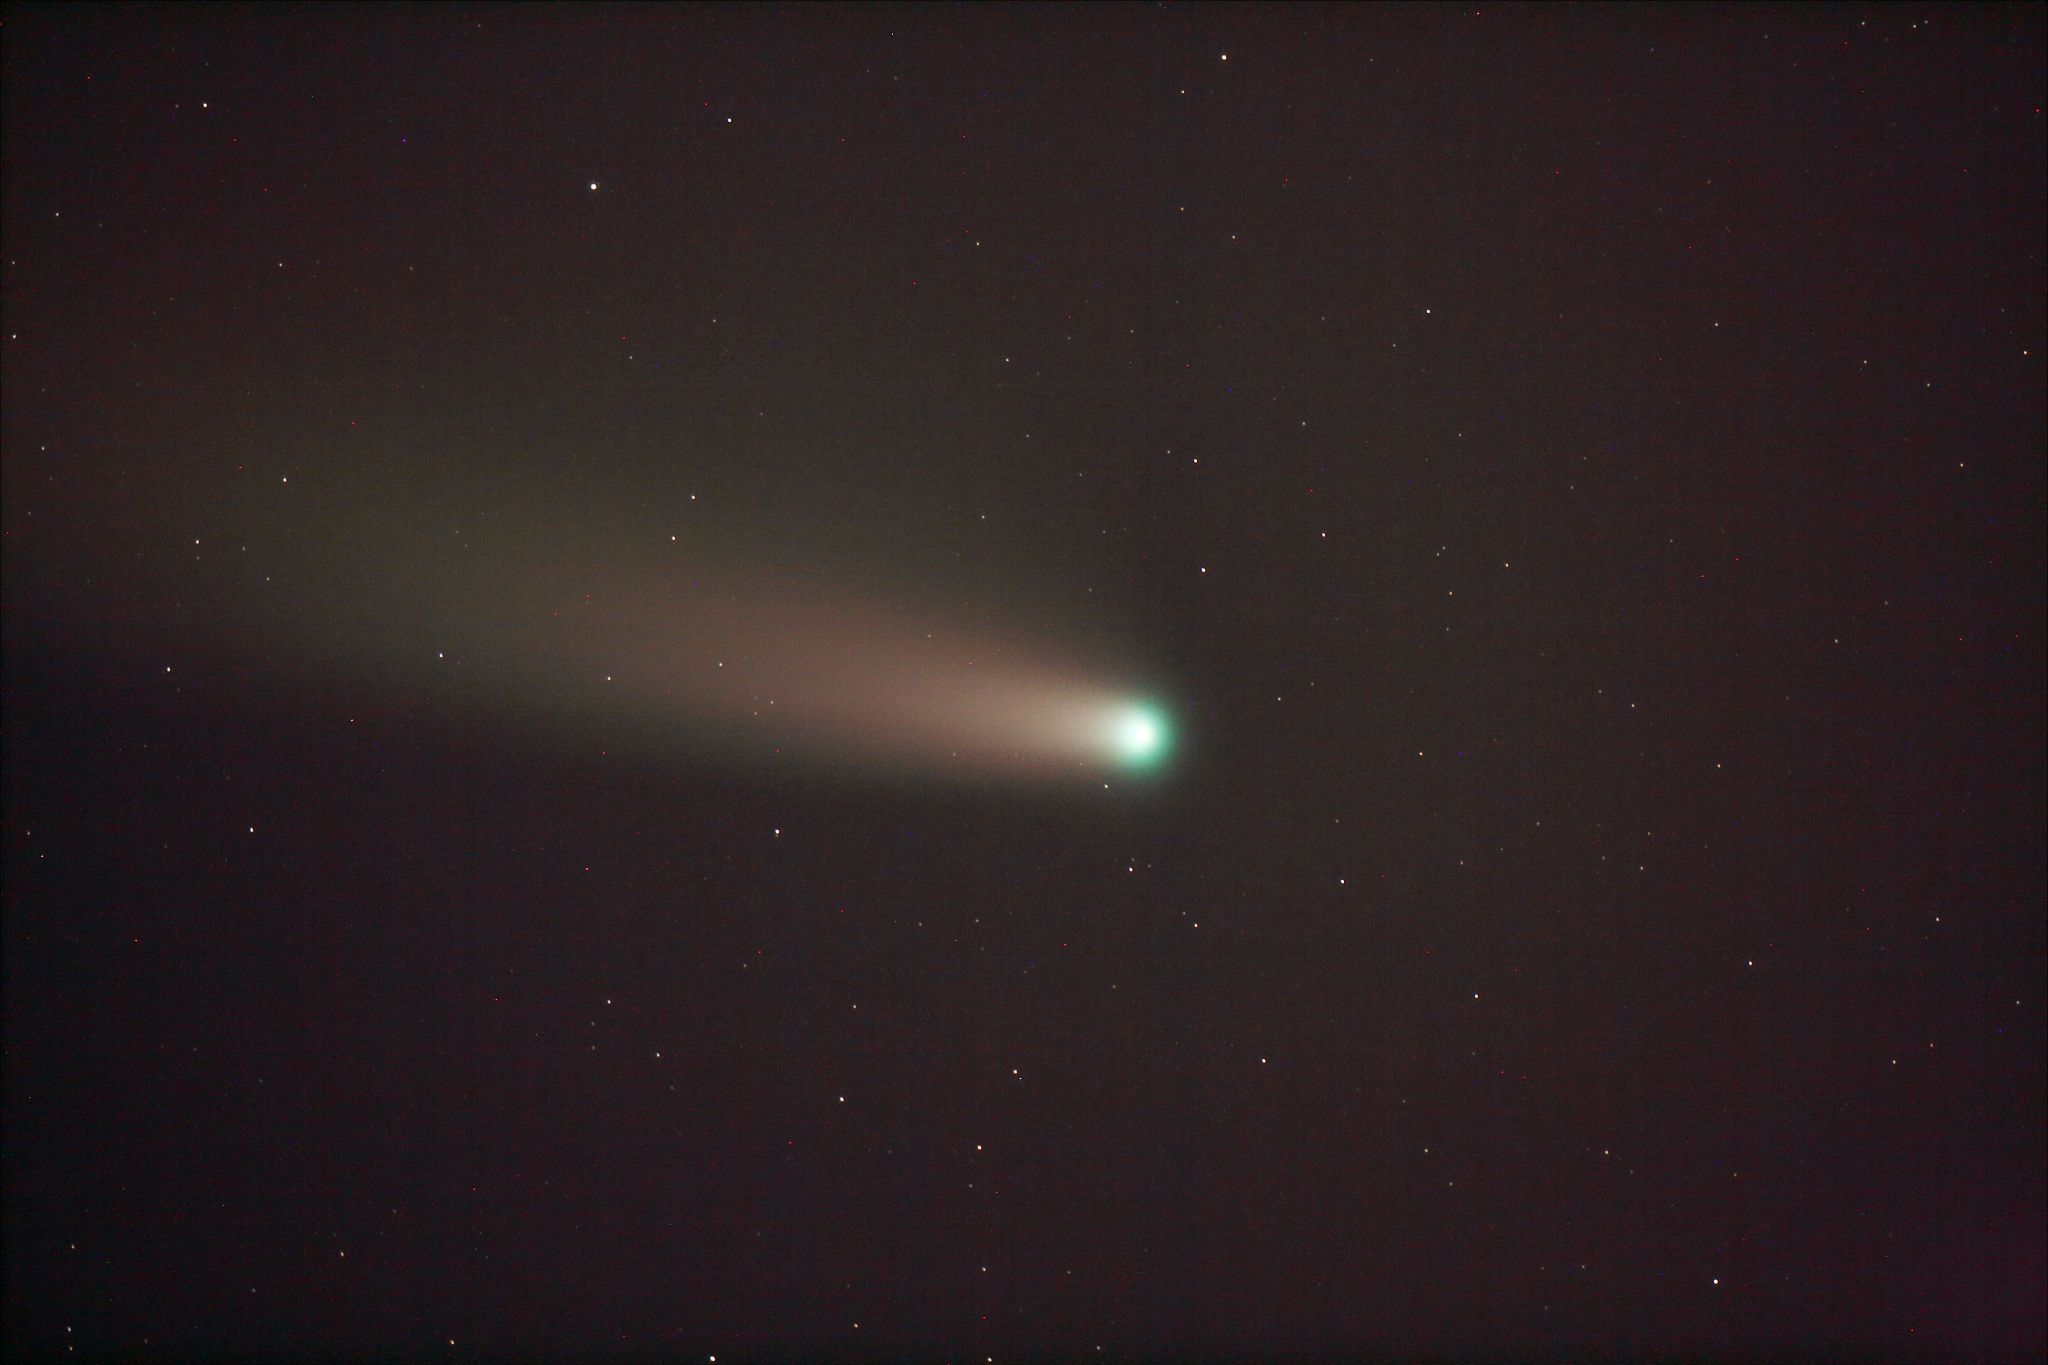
point(1025, 683)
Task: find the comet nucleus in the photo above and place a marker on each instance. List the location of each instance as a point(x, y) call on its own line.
point(1140, 737)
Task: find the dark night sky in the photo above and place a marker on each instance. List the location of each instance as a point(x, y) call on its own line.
point(1572, 479)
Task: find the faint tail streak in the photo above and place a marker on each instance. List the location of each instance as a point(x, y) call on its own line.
point(805, 672)
point(520, 619)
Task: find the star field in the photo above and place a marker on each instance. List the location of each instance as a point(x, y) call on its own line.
point(1025, 683)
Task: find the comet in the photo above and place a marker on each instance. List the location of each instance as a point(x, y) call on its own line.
point(804, 671)
point(599, 624)
point(1139, 737)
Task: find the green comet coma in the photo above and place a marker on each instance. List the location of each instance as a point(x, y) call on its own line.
point(1141, 739)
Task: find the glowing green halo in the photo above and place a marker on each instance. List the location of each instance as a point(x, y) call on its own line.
point(1138, 736)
